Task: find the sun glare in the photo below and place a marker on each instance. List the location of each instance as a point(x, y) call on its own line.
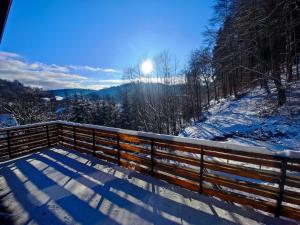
point(147, 66)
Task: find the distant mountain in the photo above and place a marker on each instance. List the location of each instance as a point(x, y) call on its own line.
point(14, 89)
point(114, 92)
point(111, 92)
point(71, 92)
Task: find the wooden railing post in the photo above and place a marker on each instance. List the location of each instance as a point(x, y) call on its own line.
point(74, 136)
point(8, 143)
point(94, 143)
point(281, 186)
point(118, 148)
point(201, 171)
point(47, 130)
point(152, 157)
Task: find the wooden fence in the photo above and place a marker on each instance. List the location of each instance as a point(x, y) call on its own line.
point(232, 173)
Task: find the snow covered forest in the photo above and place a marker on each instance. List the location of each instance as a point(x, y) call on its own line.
point(252, 47)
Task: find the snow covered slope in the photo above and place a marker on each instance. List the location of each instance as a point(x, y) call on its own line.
point(253, 120)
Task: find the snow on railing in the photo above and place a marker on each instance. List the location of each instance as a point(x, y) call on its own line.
point(19, 127)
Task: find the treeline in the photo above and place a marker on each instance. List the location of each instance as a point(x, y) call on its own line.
point(28, 105)
point(257, 42)
point(145, 105)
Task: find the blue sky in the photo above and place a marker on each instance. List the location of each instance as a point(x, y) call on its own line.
point(88, 43)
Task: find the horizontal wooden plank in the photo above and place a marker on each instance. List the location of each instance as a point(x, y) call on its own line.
point(106, 142)
point(108, 151)
point(177, 171)
point(71, 139)
point(134, 139)
point(182, 159)
point(27, 135)
point(85, 145)
point(226, 196)
point(107, 158)
point(256, 161)
point(3, 148)
point(79, 134)
point(4, 141)
point(295, 200)
point(174, 147)
point(294, 167)
point(180, 182)
point(29, 151)
point(133, 148)
point(83, 150)
point(67, 128)
point(135, 166)
point(292, 193)
point(293, 177)
point(241, 171)
point(68, 140)
point(242, 153)
point(31, 130)
point(84, 139)
point(134, 158)
point(272, 172)
point(67, 145)
point(67, 134)
point(28, 139)
point(84, 131)
point(29, 143)
point(105, 134)
point(4, 154)
point(292, 183)
point(290, 212)
point(189, 146)
point(240, 186)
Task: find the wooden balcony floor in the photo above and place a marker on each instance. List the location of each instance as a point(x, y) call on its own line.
point(60, 186)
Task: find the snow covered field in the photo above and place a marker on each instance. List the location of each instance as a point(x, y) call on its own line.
point(253, 120)
point(59, 186)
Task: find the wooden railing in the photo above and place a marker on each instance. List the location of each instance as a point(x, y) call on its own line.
point(248, 176)
point(16, 141)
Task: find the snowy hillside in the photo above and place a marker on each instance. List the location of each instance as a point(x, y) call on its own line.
point(253, 120)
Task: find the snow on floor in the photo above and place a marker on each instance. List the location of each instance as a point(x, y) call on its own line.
point(59, 186)
point(253, 120)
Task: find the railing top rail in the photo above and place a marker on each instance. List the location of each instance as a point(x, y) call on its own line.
point(165, 137)
point(20, 127)
point(193, 141)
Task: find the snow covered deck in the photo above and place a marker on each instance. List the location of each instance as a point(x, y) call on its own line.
point(60, 186)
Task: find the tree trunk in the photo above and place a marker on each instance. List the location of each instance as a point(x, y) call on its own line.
point(297, 66)
point(280, 93)
point(215, 89)
point(281, 96)
point(207, 91)
point(289, 72)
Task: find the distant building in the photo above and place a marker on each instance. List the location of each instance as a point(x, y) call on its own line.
point(8, 120)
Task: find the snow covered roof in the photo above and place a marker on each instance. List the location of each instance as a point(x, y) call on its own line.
point(7, 120)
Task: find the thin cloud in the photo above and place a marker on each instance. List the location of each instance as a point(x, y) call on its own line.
point(37, 74)
point(94, 69)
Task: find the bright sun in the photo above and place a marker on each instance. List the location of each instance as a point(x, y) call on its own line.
point(147, 66)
